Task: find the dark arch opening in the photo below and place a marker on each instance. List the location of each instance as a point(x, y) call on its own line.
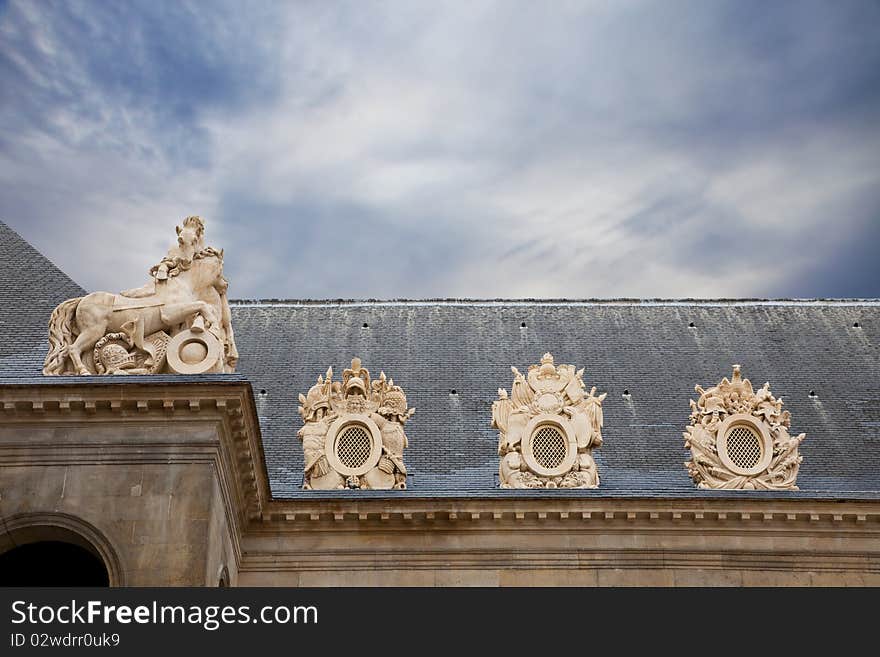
point(52, 563)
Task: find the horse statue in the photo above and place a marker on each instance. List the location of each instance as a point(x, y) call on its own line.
point(179, 322)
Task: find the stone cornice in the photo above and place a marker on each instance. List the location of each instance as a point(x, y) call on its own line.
point(234, 447)
point(556, 514)
point(576, 537)
point(275, 561)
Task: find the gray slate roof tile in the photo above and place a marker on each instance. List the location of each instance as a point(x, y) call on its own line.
point(30, 288)
point(647, 349)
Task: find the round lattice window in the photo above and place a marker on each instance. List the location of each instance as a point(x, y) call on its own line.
point(744, 447)
point(744, 444)
point(354, 446)
point(549, 447)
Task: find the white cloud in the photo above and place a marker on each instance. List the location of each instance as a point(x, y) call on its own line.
point(490, 150)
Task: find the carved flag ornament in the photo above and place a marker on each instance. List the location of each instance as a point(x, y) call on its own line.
point(178, 323)
point(739, 438)
point(548, 427)
point(353, 431)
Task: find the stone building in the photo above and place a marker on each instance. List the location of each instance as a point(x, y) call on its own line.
point(197, 479)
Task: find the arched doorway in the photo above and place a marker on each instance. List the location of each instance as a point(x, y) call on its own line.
point(52, 563)
point(55, 550)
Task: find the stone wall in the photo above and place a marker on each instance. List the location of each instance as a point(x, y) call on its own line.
point(156, 479)
point(565, 542)
point(155, 517)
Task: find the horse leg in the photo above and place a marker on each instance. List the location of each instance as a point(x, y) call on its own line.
point(86, 340)
point(177, 313)
point(198, 325)
point(209, 314)
point(92, 315)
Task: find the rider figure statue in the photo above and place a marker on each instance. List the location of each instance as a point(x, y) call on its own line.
point(179, 322)
point(190, 240)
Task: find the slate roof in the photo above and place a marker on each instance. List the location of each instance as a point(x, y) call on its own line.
point(451, 356)
point(30, 288)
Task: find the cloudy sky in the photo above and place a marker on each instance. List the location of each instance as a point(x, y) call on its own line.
point(451, 149)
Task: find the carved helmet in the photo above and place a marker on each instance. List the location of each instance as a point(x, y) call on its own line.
point(394, 403)
point(355, 383)
point(316, 398)
point(713, 403)
point(112, 353)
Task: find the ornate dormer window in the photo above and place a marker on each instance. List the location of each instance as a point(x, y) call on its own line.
point(739, 438)
point(548, 427)
point(353, 435)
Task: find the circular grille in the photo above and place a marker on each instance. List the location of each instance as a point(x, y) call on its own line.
point(353, 447)
point(744, 447)
point(549, 447)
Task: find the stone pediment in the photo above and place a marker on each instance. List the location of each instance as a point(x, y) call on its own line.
point(739, 438)
point(353, 434)
point(548, 427)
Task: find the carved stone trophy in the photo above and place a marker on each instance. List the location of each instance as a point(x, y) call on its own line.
point(179, 322)
point(739, 438)
point(353, 433)
point(548, 428)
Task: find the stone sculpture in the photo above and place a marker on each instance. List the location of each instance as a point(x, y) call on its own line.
point(548, 427)
point(179, 322)
point(353, 431)
point(739, 438)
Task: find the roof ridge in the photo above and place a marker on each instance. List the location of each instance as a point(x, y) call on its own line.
point(649, 301)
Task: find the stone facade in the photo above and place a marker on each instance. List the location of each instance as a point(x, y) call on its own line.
point(159, 478)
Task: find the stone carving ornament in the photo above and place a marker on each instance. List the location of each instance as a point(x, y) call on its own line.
point(353, 431)
point(179, 322)
point(548, 428)
point(739, 438)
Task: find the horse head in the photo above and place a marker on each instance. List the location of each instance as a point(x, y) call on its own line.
point(207, 270)
point(190, 237)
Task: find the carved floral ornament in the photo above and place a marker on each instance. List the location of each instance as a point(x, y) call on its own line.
point(353, 435)
point(548, 427)
point(179, 322)
point(739, 438)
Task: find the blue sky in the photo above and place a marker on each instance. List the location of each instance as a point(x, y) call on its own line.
point(451, 149)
